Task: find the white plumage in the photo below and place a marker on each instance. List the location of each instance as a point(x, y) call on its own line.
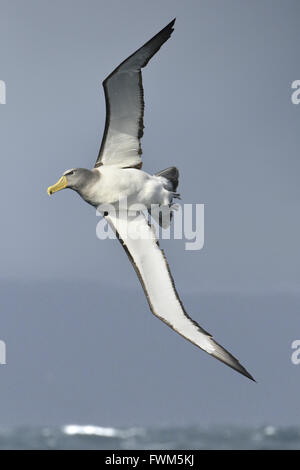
point(117, 176)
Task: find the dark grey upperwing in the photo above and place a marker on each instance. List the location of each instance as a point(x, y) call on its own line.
point(124, 97)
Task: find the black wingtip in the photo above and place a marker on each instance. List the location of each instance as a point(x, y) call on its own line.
point(227, 358)
point(241, 369)
point(171, 24)
point(167, 30)
point(252, 378)
point(249, 376)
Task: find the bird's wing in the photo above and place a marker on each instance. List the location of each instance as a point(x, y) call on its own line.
point(140, 243)
point(124, 97)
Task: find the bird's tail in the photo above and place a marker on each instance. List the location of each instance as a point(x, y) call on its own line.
point(172, 175)
point(163, 214)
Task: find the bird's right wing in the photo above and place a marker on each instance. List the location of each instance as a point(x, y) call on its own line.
point(124, 97)
point(140, 243)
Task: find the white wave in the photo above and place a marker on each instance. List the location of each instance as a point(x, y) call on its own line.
point(270, 430)
point(90, 430)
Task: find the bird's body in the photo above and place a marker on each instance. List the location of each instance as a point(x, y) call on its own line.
point(117, 177)
point(115, 184)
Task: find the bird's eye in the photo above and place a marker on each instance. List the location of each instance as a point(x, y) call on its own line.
point(70, 173)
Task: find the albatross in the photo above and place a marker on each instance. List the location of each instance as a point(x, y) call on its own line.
point(117, 176)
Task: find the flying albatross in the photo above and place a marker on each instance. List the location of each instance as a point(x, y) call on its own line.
point(117, 175)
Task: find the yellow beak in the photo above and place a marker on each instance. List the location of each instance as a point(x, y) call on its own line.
point(62, 183)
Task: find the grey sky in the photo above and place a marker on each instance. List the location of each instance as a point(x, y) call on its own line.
point(218, 107)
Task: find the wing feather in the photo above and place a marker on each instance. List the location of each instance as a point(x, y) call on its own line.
point(140, 243)
point(124, 98)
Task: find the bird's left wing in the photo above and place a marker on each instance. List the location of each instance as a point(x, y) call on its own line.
point(124, 97)
point(140, 243)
